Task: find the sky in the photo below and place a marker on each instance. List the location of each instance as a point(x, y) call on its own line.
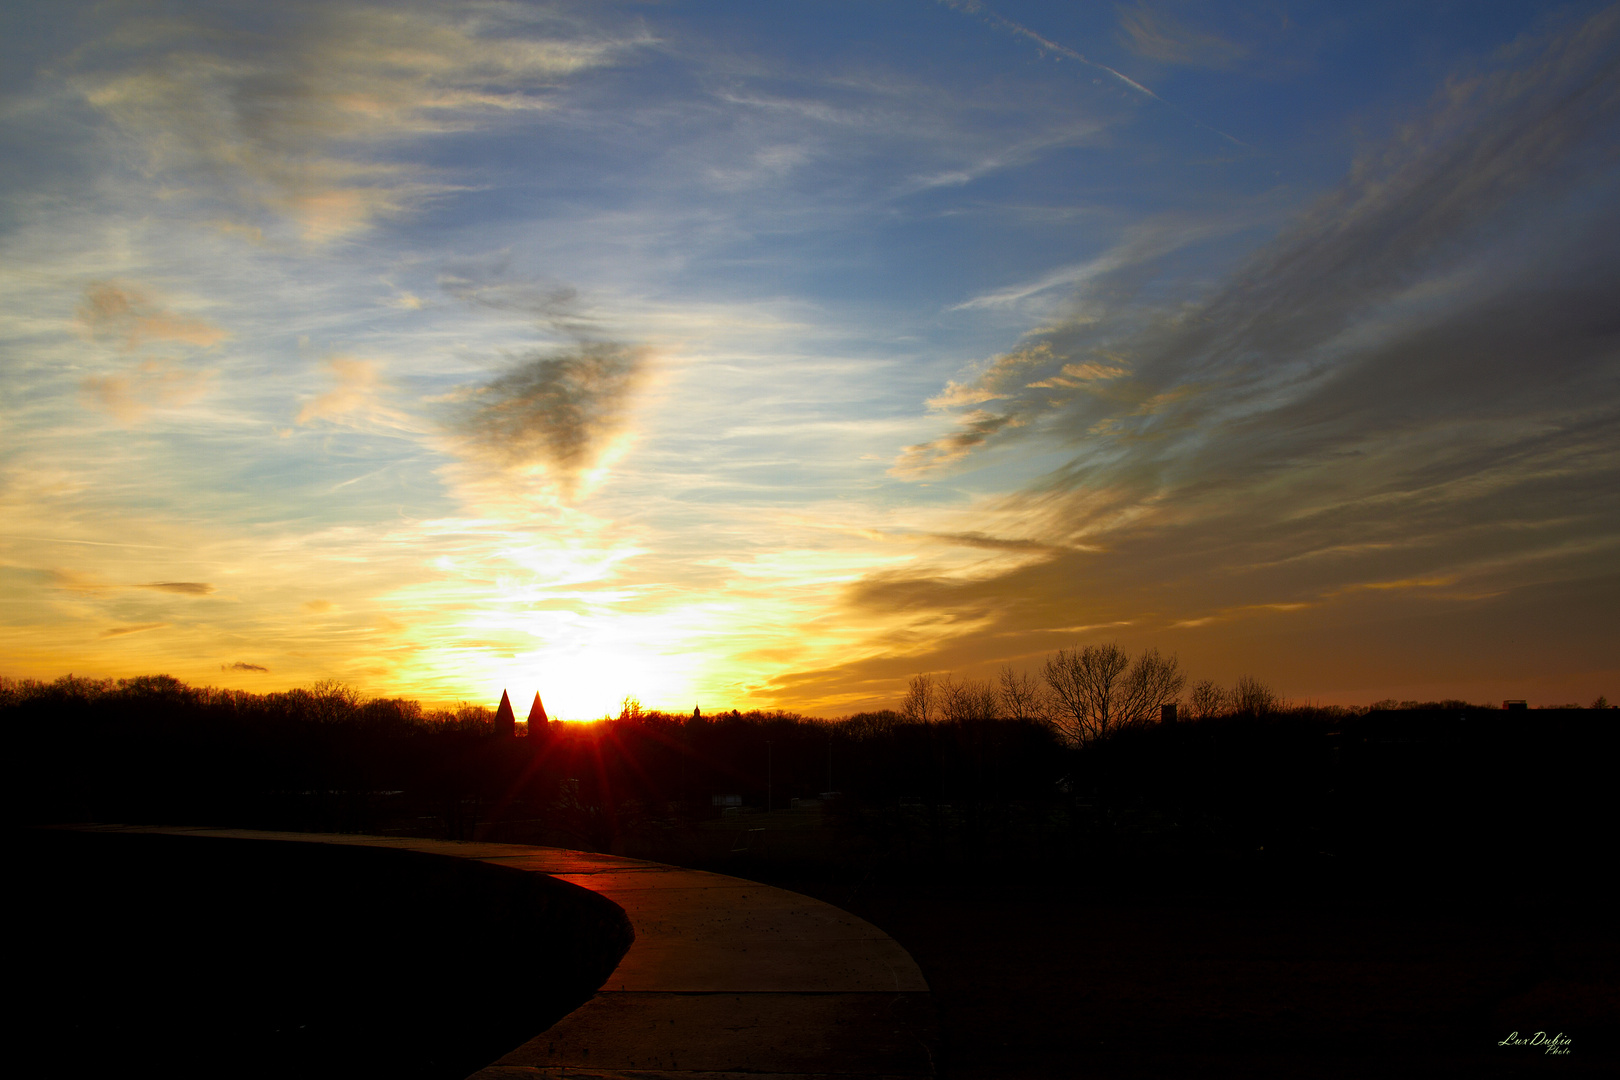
point(764, 355)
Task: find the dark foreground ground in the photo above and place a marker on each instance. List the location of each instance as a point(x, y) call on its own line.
point(1299, 894)
point(308, 963)
point(192, 958)
point(1036, 980)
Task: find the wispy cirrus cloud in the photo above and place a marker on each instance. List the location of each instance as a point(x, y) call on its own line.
point(291, 117)
point(131, 394)
point(1405, 394)
point(1121, 268)
point(1409, 232)
point(75, 581)
point(358, 398)
point(129, 317)
point(1158, 36)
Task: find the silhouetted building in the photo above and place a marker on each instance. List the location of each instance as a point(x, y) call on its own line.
point(537, 715)
point(1515, 703)
point(505, 721)
point(1167, 713)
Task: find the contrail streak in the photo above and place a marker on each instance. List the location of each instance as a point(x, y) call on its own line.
point(91, 543)
point(974, 7)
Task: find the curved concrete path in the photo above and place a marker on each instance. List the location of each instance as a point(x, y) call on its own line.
point(726, 979)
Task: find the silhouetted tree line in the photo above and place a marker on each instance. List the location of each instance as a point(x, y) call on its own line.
point(1068, 772)
point(1086, 693)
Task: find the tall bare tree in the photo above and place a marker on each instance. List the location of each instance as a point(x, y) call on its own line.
point(970, 699)
point(1152, 681)
point(1254, 697)
point(1097, 689)
point(1085, 685)
point(1022, 696)
point(922, 700)
point(1207, 699)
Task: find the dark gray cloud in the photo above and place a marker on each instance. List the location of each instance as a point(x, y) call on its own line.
point(994, 543)
point(556, 409)
point(242, 665)
point(184, 588)
point(136, 628)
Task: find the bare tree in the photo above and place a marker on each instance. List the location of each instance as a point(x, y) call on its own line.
point(1098, 689)
point(1253, 697)
point(1152, 681)
point(970, 699)
point(1022, 697)
point(1085, 686)
point(330, 700)
point(1207, 699)
point(922, 700)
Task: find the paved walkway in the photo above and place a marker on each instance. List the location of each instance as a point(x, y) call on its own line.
point(726, 979)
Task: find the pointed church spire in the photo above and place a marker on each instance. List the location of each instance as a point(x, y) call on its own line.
point(537, 714)
point(505, 722)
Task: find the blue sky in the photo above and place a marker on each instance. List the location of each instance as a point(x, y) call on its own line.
point(766, 354)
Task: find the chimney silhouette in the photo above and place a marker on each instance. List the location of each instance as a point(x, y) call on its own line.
point(505, 722)
point(537, 714)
